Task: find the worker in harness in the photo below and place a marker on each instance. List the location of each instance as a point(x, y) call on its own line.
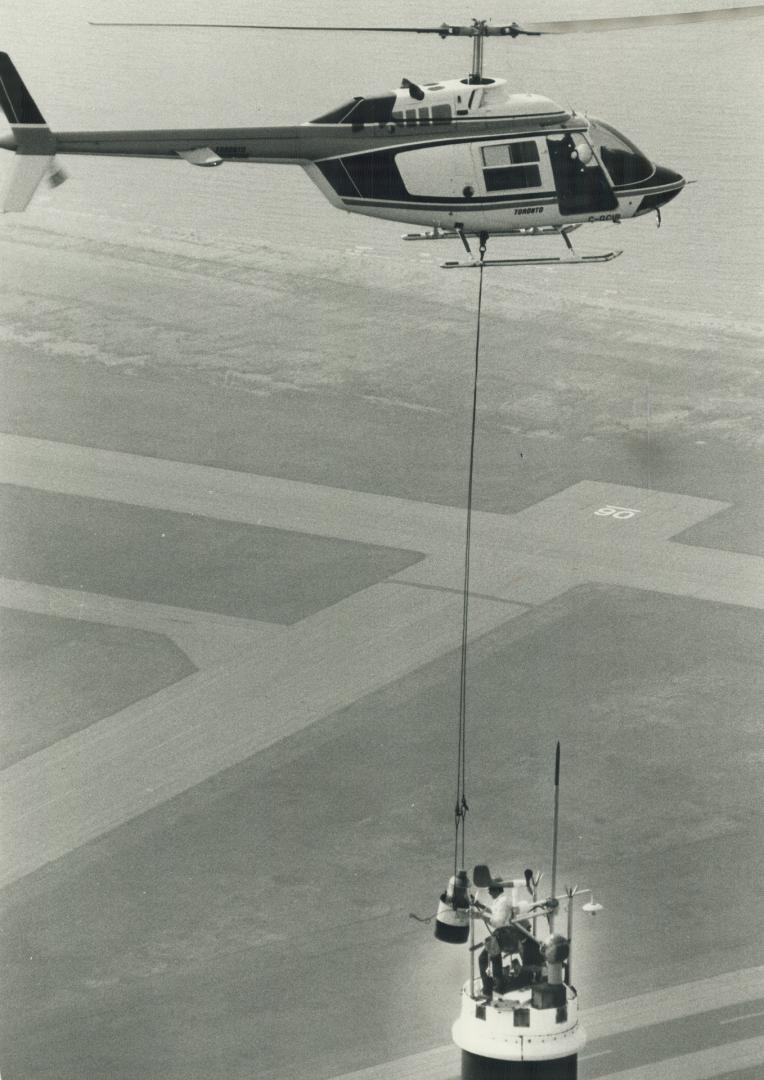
point(503, 939)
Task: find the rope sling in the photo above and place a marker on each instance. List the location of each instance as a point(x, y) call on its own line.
point(461, 807)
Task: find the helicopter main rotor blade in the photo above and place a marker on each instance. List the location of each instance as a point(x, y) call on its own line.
point(480, 29)
point(639, 22)
point(442, 30)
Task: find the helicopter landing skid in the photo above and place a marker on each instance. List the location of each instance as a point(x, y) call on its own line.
point(550, 260)
point(571, 259)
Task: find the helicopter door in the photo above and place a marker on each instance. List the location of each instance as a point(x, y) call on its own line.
point(582, 187)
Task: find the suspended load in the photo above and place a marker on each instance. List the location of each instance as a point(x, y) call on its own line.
point(519, 1016)
point(452, 922)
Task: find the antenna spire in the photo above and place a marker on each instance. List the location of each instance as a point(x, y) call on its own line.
point(556, 823)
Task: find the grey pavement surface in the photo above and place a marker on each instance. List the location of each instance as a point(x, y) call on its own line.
point(355, 645)
point(608, 1023)
point(305, 762)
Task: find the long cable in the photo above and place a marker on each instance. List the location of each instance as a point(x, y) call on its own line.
point(461, 778)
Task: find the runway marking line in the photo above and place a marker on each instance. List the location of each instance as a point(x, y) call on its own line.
point(641, 1011)
point(737, 1019)
point(700, 1064)
point(339, 647)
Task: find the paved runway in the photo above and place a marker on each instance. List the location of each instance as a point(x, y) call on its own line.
point(304, 760)
point(125, 764)
point(258, 683)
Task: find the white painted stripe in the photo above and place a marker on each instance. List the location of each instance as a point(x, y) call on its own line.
point(232, 496)
point(444, 1063)
point(700, 1065)
point(74, 791)
point(94, 780)
point(638, 557)
point(671, 1003)
point(207, 638)
point(745, 1016)
point(674, 1002)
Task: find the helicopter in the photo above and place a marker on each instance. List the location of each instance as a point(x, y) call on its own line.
point(465, 158)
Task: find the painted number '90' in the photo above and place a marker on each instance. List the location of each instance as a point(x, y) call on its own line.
point(620, 513)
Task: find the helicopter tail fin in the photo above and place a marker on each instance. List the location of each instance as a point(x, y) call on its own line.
point(18, 104)
point(32, 140)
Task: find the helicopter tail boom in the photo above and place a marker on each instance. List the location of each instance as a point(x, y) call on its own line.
point(35, 145)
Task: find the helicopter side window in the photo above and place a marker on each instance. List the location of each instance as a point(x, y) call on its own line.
point(496, 155)
point(519, 153)
point(438, 112)
point(523, 152)
point(510, 166)
point(521, 176)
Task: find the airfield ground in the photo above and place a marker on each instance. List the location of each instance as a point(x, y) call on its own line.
point(230, 587)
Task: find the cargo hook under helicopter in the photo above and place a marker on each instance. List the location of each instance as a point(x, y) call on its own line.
point(461, 157)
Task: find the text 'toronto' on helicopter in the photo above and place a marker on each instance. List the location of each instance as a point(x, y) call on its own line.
point(462, 157)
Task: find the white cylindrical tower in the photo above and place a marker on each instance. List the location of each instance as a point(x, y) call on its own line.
point(528, 1033)
point(519, 1018)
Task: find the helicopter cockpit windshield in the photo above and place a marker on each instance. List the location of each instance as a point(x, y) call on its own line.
point(623, 161)
point(361, 110)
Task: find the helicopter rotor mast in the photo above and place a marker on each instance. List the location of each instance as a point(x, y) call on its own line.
point(479, 31)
